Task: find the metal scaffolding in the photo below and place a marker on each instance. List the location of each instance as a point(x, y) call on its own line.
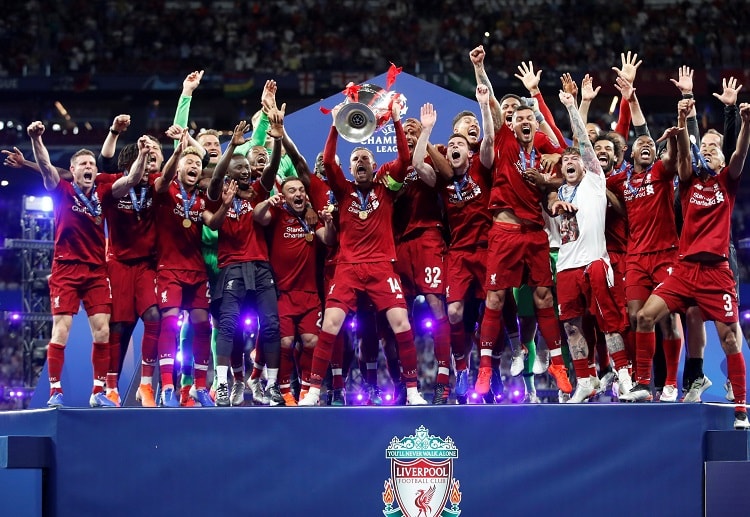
point(35, 251)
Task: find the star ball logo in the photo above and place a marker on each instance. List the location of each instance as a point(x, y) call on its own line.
point(421, 482)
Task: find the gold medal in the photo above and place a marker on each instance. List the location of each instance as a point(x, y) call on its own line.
point(460, 204)
point(309, 236)
point(330, 209)
point(187, 223)
point(362, 215)
point(98, 219)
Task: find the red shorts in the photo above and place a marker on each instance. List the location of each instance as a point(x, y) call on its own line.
point(644, 271)
point(591, 289)
point(329, 271)
point(299, 313)
point(466, 269)
point(709, 286)
point(181, 288)
point(517, 255)
point(376, 279)
point(420, 263)
point(73, 282)
point(134, 288)
point(617, 260)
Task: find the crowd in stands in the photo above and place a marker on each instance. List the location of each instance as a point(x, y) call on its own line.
point(224, 36)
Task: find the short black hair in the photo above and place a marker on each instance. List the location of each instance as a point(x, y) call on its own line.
point(462, 114)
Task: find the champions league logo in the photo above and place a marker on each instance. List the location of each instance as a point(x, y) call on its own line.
point(421, 482)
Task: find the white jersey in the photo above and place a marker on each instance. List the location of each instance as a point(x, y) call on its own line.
point(553, 231)
point(582, 233)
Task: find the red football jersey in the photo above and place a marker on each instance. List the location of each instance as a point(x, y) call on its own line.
point(178, 247)
point(707, 210)
point(292, 251)
point(77, 236)
point(649, 200)
point(465, 202)
point(131, 233)
point(510, 191)
point(241, 239)
point(416, 206)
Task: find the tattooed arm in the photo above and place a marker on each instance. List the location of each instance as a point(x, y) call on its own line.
point(590, 161)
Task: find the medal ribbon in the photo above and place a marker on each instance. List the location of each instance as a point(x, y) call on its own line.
point(459, 186)
point(699, 162)
point(301, 220)
point(562, 197)
point(522, 157)
point(94, 208)
point(187, 204)
point(632, 190)
point(363, 200)
point(138, 205)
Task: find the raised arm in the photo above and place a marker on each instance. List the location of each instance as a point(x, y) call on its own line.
point(590, 161)
point(684, 83)
point(588, 94)
point(427, 116)
point(169, 171)
point(737, 162)
point(276, 132)
point(41, 156)
point(137, 169)
point(487, 147)
point(214, 220)
point(684, 160)
point(15, 160)
point(530, 80)
point(119, 125)
point(728, 97)
point(627, 91)
point(334, 174)
point(477, 59)
point(216, 184)
point(182, 112)
point(630, 64)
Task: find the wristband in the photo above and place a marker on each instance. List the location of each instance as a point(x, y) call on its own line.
point(687, 96)
point(114, 132)
point(539, 117)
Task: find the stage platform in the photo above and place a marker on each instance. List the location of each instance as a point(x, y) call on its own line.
point(548, 459)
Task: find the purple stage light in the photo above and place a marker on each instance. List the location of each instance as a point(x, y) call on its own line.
point(178, 357)
point(248, 322)
point(359, 397)
point(388, 397)
point(15, 316)
point(516, 393)
point(12, 393)
point(745, 315)
point(427, 323)
point(474, 395)
point(353, 324)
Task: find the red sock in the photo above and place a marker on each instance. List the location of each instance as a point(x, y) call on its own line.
point(458, 344)
point(737, 376)
point(489, 334)
point(645, 345)
point(581, 367)
point(201, 353)
point(672, 351)
point(55, 360)
point(149, 347)
point(549, 328)
point(321, 358)
point(602, 355)
point(166, 347)
point(442, 339)
point(407, 354)
point(620, 359)
point(285, 368)
point(337, 359)
point(305, 363)
point(100, 362)
point(114, 359)
point(629, 338)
